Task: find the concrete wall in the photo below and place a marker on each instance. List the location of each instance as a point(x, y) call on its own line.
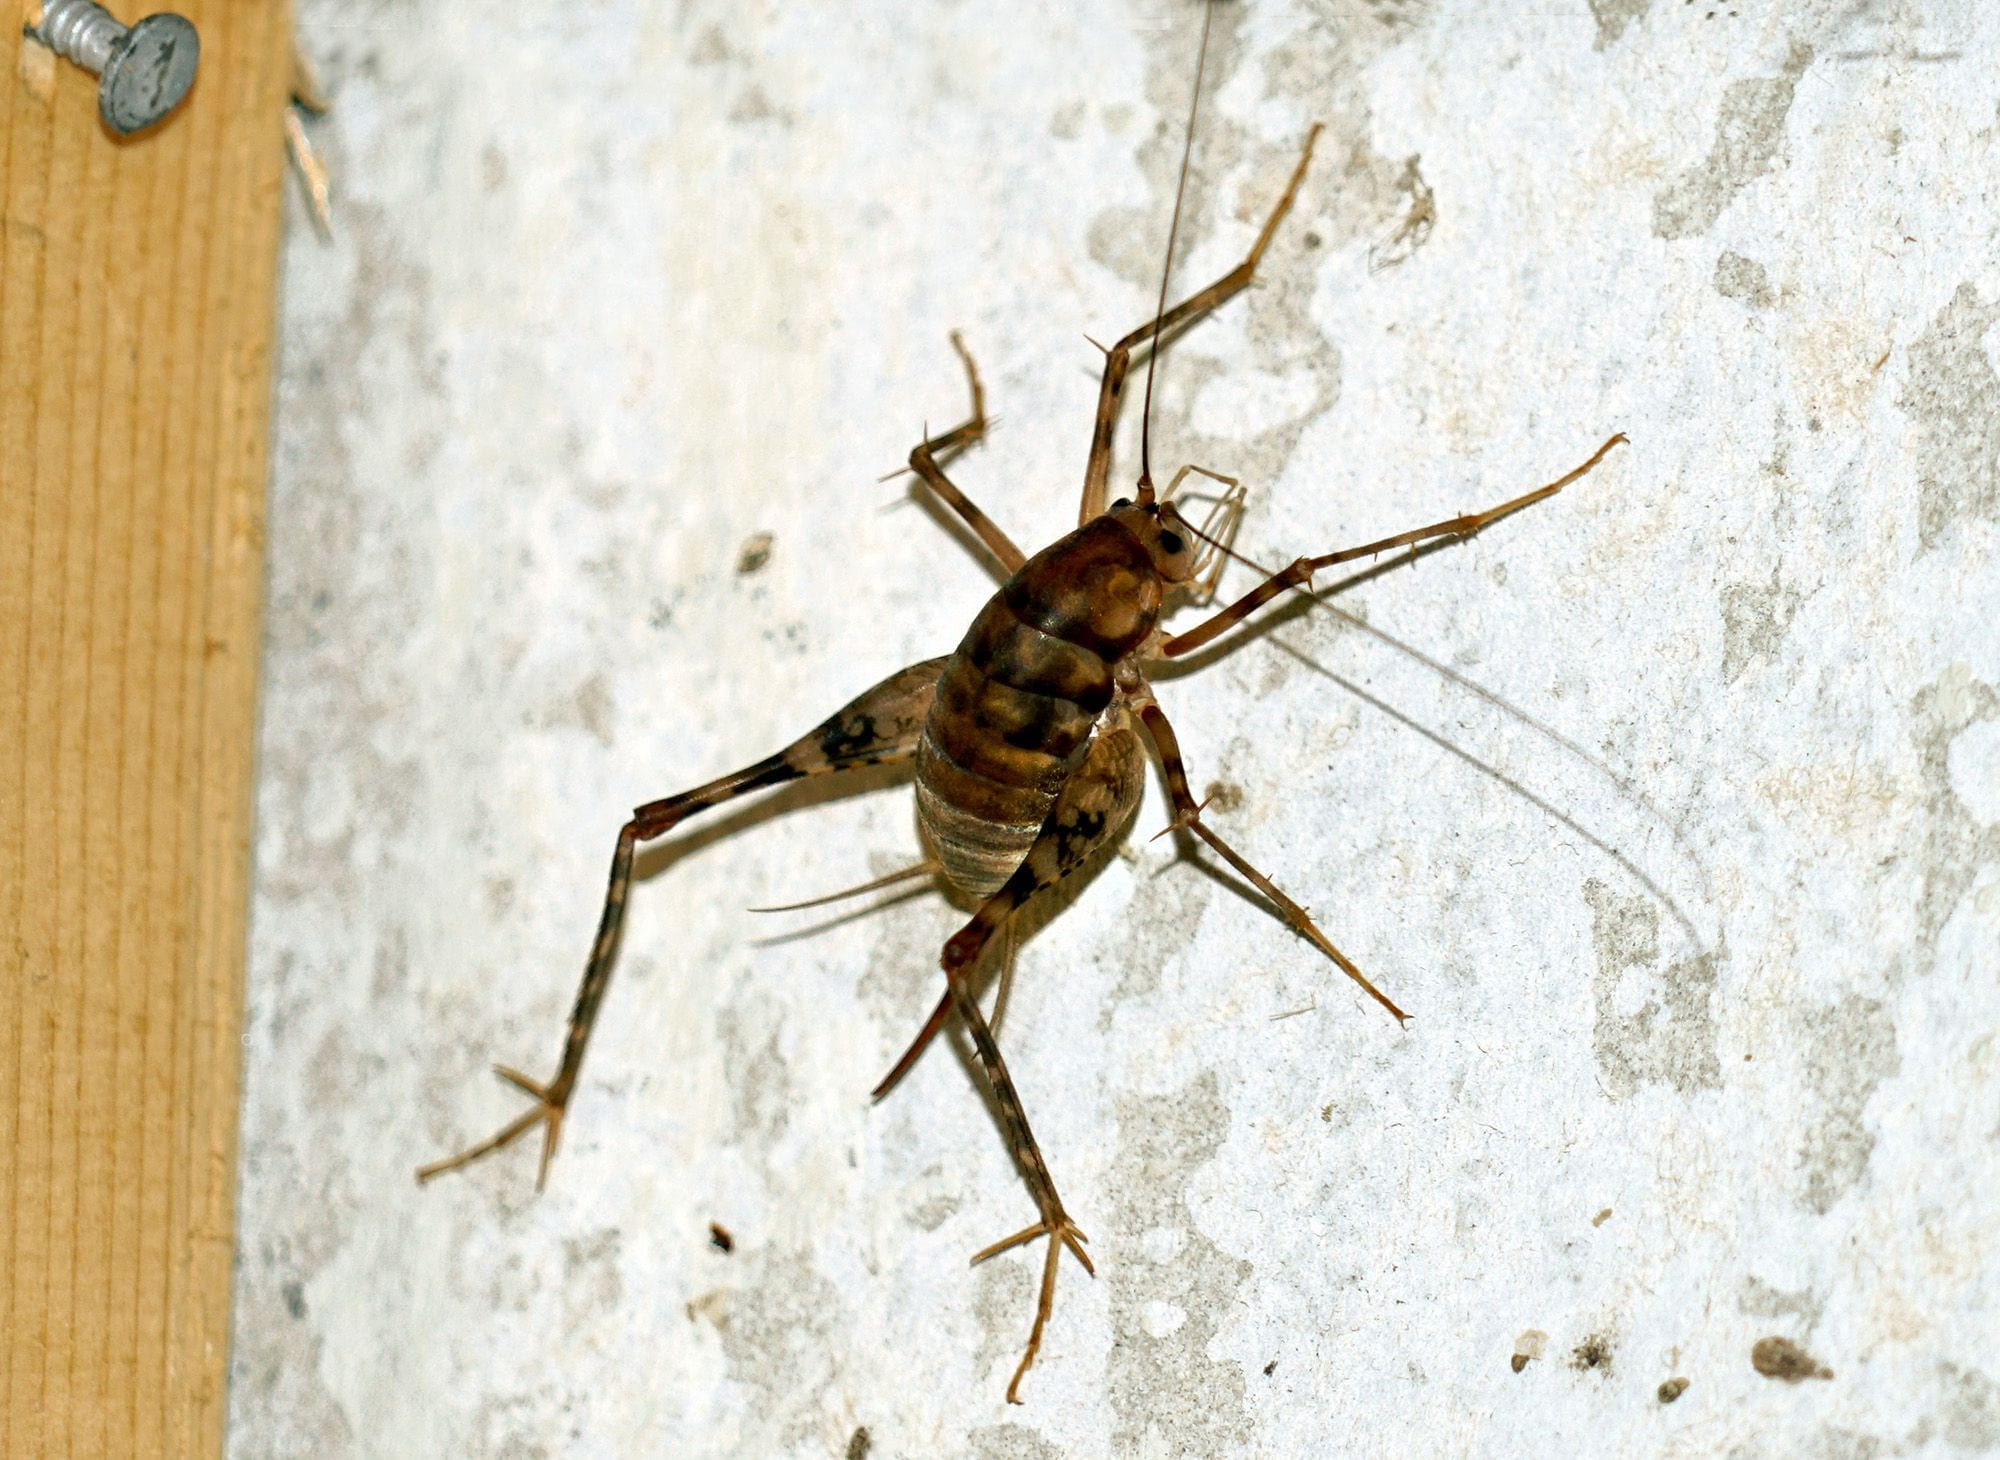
point(1704, 1048)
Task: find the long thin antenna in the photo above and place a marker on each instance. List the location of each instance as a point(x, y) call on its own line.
point(1167, 268)
point(921, 869)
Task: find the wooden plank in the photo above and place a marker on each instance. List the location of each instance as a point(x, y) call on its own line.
point(137, 285)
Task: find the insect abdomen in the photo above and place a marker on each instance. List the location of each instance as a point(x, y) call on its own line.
point(1017, 702)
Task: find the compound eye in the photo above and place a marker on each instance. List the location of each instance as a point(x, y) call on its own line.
point(1121, 504)
point(1171, 543)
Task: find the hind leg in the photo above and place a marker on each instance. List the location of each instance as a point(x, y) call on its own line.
point(880, 726)
point(1094, 805)
point(1055, 1223)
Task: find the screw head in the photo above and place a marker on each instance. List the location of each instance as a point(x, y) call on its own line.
point(150, 70)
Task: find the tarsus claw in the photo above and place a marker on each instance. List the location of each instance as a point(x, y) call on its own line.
point(547, 1112)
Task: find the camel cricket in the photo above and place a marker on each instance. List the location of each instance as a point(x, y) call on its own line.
point(1028, 740)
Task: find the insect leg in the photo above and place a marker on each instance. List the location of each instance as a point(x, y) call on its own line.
point(1299, 574)
point(1187, 813)
point(880, 726)
point(1055, 1223)
point(1118, 359)
point(1094, 804)
point(923, 461)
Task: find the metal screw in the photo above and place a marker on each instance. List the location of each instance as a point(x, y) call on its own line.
point(145, 71)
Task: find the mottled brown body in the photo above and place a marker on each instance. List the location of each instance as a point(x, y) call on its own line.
point(1020, 696)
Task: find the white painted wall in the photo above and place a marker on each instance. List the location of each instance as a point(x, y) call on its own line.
point(618, 285)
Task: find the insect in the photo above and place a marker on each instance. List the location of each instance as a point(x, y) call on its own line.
point(1027, 743)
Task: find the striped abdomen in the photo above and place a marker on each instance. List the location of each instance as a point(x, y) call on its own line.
point(1018, 699)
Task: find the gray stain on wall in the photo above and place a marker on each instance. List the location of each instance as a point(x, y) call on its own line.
point(1744, 280)
point(1759, 1299)
point(279, 1379)
point(329, 807)
point(1971, 1408)
point(1170, 1296)
point(1849, 1050)
point(592, 1281)
point(1612, 16)
point(1669, 1038)
point(1755, 618)
point(1749, 130)
point(759, 1081)
point(1956, 845)
point(777, 1336)
point(1010, 1442)
point(1953, 396)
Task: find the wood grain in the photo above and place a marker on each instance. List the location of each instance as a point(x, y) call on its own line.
point(136, 301)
